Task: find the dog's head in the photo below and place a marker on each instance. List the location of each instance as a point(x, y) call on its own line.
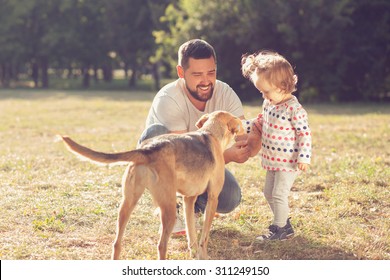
point(222, 123)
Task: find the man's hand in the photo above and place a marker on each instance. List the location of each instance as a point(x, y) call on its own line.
point(239, 152)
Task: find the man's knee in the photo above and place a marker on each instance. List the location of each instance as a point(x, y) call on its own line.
point(229, 198)
point(231, 194)
point(152, 131)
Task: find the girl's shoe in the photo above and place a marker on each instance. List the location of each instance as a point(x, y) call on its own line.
point(275, 233)
point(289, 229)
point(278, 233)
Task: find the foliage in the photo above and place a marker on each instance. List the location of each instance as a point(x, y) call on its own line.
point(124, 25)
point(340, 49)
point(74, 35)
point(323, 39)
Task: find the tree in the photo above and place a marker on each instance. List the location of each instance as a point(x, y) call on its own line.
point(367, 49)
point(323, 39)
point(130, 31)
point(223, 23)
point(31, 28)
point(9, 46)
point(340, 48)
point(90, 44)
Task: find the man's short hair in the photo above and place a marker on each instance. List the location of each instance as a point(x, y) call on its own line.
point(196, 49)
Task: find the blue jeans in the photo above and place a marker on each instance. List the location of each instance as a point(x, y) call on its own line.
point(230, 196)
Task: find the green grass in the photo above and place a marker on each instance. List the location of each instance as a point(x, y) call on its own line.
point(54, 206)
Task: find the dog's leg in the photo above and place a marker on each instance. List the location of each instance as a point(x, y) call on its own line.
point(168, 219)
point(189, 204)
point(213, 189)
point(211, 207)
point(132, 191)
point(123, 217)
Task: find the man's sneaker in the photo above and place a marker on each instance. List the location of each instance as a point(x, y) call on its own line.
point(289, 229)
point(179, 228)
point(275, 233)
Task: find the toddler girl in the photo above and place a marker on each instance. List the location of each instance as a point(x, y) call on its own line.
point(286, 136)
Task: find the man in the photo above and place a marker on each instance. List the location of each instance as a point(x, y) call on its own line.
point(178, 106)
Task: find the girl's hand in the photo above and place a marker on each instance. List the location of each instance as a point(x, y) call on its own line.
point(303, 166)
point(257, 124)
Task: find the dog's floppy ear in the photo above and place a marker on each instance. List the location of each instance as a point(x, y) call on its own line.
point(235, 126)
point(202, 120)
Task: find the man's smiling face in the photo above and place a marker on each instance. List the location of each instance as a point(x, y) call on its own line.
point(200, 78)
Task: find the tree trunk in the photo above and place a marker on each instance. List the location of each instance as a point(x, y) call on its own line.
point(86, 77)
point(133, 78)
point(70, 72)
point(107, 73)
point(96, 74)
point(126, 70)
point(45, 74)
point(156, 75)
point(4, 80)
point(35, 74)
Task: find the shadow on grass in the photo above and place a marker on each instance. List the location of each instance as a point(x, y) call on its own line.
point(228, 244)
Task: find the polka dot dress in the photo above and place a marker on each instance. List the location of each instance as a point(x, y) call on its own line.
point(286, 136)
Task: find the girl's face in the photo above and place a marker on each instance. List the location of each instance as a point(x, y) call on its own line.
point(273, 94)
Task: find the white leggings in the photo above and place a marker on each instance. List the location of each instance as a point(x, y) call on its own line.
point(276, 190)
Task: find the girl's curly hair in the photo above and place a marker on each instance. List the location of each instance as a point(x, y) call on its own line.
point(274, 68)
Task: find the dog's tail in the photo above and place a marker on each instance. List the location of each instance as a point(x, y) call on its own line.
point(85, 153)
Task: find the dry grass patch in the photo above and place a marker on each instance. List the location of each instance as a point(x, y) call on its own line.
point(56, 207)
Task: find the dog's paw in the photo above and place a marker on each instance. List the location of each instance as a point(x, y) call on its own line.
point(203, 256)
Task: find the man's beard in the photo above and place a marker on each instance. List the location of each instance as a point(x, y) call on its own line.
point(203, 97)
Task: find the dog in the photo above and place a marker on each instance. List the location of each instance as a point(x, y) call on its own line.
point(188, 164)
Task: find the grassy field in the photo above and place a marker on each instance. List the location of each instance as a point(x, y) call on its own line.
point(55, 207)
